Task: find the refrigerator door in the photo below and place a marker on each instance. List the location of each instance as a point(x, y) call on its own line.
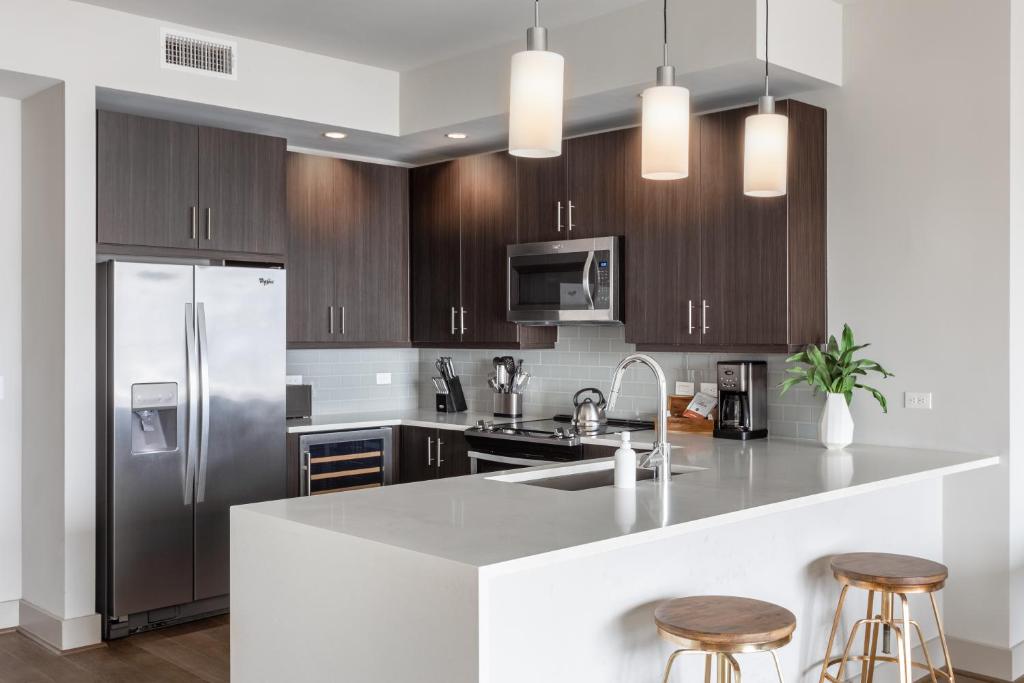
point(149, 506)
point(240, 321)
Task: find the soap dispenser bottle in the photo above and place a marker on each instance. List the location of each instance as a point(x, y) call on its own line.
point(625, 464)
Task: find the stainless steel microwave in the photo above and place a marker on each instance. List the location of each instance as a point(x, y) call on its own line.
point(570, 282)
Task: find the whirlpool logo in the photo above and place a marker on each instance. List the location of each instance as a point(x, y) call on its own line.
point(266, 281)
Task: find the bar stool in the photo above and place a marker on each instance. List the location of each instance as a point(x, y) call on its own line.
point(719, 627)
point(892, 576)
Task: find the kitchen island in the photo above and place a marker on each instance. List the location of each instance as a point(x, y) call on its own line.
point(493, 578)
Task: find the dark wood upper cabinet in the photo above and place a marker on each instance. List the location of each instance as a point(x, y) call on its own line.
point(541, 203)
point(488, 227)
point(435, 253)
point(663, 255)
point(164, 185)
point(463, 218)
point(348, 254)
point(146, 181)
point(373, 258)
point(763, 259)
point(241, 192)
point(600, 169)
point(313, 205)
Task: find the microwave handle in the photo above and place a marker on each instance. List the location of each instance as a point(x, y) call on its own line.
point(587, 266)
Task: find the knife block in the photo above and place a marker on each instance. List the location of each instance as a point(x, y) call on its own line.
point(454, 401)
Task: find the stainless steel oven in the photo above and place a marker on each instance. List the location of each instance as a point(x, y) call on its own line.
point(567, 282)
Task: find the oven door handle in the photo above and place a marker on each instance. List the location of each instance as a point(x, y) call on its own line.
point(506, 460)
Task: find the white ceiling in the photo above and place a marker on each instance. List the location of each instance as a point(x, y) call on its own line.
point(393, 34)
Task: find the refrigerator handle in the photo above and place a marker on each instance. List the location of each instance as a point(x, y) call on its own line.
point(193, 403)
point(204, 406)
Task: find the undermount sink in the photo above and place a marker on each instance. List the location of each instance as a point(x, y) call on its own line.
point(582, 477)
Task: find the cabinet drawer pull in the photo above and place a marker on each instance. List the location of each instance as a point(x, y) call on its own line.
point(462, 323)
point(558, 225)
point(689, 316)
point(571, 226)
point(704, 316)
point(430, 444)
point(440, 461)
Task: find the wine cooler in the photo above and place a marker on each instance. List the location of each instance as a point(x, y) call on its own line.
point(346, 461)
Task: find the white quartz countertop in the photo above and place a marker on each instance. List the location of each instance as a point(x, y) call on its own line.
point(480, 521)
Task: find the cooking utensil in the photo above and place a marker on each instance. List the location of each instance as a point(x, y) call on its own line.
point(493, 384)
point(587, 414)
point(501, 376)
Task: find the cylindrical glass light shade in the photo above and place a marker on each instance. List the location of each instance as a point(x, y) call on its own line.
point(665, 133)
point(535, 109)
point(765, 145)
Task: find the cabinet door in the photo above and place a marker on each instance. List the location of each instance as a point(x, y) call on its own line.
point(663, 252)
point(313, 199)
point(743, 243)
point(417, 455)
point(453, 452)
point(488, 227)
point(541, 190)
point(434, 251)
point(373, 265)
point(599, 173)
point(241, 192)
point(146, 181)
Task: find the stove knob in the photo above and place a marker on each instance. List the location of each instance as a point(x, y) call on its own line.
point(481, 425)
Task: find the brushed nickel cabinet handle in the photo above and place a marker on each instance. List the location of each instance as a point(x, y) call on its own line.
point(689, 316)
point(571, 226)
point(440, 461)
point(558, 225)
point(343, 320)
point(453, 320)
point(462, 320)
point(209, 223)
point(704, 316)
point(430, 443)
point(330, 320)
point(195, 223)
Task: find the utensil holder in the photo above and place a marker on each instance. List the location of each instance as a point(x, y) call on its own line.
point(508, 405)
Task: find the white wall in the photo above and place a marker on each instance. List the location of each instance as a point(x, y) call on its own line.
point(10, 361)
point(43, 391)
point(919, 201)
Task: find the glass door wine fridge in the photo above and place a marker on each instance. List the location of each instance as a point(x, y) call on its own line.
point(345, 461)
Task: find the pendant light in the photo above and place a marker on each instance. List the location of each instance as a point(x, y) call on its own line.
point(765, 142)
point(535, 106)
point(665, 122)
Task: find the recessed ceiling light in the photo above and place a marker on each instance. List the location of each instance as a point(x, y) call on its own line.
point(456, 136)
point(335, 135)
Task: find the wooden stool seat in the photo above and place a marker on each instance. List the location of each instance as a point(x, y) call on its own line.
point(718, 623)
point(886, 572)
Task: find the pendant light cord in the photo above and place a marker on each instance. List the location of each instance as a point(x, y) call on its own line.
point(536, 12)
point(664, 36)
point(766, 48)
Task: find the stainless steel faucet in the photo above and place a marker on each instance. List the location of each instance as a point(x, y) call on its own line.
point(660, 459)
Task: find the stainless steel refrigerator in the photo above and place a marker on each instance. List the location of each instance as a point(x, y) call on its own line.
point(191, 382)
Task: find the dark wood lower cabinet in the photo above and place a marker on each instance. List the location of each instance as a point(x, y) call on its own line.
point(426, 453)
point(591, 451)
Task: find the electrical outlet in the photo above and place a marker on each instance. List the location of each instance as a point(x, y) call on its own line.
point(383, 378)
point(684, 388)
point(917, 400)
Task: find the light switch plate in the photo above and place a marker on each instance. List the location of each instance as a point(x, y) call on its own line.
point(383, 378)
point(684, 388)
point(917, 400)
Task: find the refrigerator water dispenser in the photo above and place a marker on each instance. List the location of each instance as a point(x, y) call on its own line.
point(154, 417)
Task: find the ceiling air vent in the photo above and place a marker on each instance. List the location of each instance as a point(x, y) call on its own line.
point(198, 54)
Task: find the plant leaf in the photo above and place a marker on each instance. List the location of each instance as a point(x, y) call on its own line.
point(879, 396)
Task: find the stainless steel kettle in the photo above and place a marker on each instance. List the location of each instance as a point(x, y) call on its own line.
point(588, 415)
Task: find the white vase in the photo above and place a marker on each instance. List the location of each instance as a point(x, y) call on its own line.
point(836, 427)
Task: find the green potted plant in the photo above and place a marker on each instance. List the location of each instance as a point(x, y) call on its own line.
point(837, 373)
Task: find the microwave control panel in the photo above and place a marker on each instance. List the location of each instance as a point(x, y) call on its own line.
point(602, 290)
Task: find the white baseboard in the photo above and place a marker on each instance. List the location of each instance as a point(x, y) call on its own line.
point(8, 614)
point(991, 661)
point(60, 634)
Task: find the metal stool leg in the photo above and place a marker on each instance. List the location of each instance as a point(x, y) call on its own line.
point(908, 640)
point(873, 652)
point(734, 669)
point(867, 636)
point(778, 666)
point(832, 634)
point(668, 666)
point(708, 660)
point(942, 639)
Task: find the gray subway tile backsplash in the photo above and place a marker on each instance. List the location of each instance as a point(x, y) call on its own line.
point(344, 380)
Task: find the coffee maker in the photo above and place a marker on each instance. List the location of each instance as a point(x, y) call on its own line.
point(742, 400)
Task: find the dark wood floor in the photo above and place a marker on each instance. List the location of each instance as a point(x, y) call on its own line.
point(191, 652)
